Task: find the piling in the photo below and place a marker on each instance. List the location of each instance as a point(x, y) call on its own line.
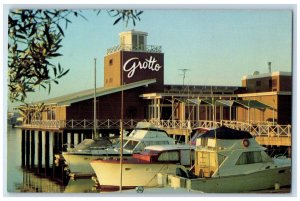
point(40, 153)
point(32, 149)
point(47, 153)
point(27, 152)
point(23, 147)
point(72, 139)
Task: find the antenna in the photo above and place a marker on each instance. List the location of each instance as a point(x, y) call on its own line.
point(184, 70)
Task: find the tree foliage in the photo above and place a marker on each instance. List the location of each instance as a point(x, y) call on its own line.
point(35, 38)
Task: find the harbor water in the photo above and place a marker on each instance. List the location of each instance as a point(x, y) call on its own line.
point(24, 180)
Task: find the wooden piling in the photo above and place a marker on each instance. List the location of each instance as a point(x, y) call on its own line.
point(72, 139)
point(27, 153)
point(23, 150)
point(32, 149)
point(40, 153)
point(47, 153)
point(64, 140)
point(79, 137)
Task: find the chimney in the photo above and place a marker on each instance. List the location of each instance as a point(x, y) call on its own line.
point(269, 64)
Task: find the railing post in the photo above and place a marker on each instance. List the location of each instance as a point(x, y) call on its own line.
point(72, 124)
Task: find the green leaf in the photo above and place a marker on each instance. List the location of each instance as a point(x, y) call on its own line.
point(33, 30)
point(55, 54)
point(117, 20)
point(63, 73)
point(60, 30)
point(20, 36)
point(55, 71)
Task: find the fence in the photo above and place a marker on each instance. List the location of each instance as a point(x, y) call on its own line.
point(256, 129)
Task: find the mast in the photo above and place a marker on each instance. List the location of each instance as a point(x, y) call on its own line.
point(95, 117)
point(121, 126)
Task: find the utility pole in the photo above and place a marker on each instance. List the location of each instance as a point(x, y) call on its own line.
point(95, 111)
point(184, 70)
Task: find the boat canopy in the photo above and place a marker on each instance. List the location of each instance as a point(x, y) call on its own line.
point(226, 133)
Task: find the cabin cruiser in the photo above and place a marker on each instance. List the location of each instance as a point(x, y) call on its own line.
point(231, 161)
point(142, 168)
point(144, 134)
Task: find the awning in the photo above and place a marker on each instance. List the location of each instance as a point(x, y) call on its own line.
point(253, 104)
point(231, 103)
point(200, 101)
point(226, 103)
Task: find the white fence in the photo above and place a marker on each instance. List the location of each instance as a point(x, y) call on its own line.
point(256, 129)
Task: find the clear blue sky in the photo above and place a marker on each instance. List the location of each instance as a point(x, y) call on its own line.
point(218, 46)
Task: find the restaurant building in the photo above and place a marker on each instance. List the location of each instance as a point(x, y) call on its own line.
point(134, 84)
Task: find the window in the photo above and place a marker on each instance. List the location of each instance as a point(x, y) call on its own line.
point(270, 84)
point(130, 145)
point(111, 62)
point(274, 83)
point(141, 42)
point(51, 115)
point(249, 158)
point(258, 83)
point(140, 147)
point(221, 158)
point(169, 156)
point(134, 41)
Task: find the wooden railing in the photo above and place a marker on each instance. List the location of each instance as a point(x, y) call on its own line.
point(256, 129)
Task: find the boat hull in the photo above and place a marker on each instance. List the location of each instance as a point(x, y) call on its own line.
point(265, 179)
point(108, 174)
point(81, 162)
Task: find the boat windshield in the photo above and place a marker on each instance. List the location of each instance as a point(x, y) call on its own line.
point(130, 145)
point(90, 144)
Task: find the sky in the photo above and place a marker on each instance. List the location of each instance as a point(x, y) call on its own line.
point(218, 46)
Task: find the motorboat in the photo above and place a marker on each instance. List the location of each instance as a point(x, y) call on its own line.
point(231, 161)
point(144, 134)
point(197, 132)
point(143, 168)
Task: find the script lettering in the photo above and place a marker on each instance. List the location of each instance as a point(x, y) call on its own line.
point(150, 64)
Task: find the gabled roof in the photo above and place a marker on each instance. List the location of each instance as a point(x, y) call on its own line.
point(88, 94)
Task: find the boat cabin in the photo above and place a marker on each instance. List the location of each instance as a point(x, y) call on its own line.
point(224, 151)
point(175, 154)
point(145, 134)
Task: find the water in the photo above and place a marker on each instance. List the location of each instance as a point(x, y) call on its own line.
point(21, 180)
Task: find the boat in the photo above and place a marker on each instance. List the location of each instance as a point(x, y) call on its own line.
point(143, 168)
point(144, 134)
point(197, 132)
point(231, 161)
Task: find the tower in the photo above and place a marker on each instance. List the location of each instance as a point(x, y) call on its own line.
point(134, 60)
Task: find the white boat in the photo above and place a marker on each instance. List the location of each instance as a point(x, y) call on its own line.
point(144, 134)
point(231, 161)
point(142, 169)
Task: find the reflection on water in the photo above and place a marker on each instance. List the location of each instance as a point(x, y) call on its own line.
point(33, 183)
point(21, 180)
